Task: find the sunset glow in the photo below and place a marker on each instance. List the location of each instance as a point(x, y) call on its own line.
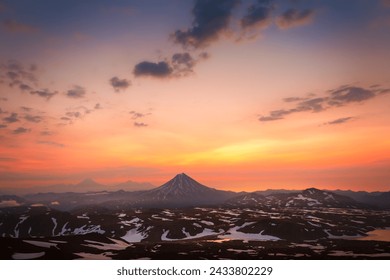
point(294, 96)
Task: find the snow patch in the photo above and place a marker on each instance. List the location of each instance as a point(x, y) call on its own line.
point(134, 235)
point(9, 203)
point(27, 256)
point(85, 230)
point(89, 256)
point(206, 232)
point(234, 234)
point(116, 246)
point(207, 223)
point(40, 243)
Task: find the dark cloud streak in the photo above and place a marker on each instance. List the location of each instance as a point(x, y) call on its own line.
point(211, 19)
point(339, 121)
point(76, 92)
point(21, 130)
point(258, 15)
point(119, 84)
point(293, 17)
point(34, 119)
point(158, 70)
point(12, 118)
point(339, 97)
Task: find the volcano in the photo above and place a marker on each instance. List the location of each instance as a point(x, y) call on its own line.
point(182, 190)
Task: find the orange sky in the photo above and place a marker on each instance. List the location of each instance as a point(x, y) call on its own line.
point(270, 106)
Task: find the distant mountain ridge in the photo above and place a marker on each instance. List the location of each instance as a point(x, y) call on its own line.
point(86, 185)
point(183, 191)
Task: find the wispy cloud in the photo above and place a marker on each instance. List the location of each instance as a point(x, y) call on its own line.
point(74, 114)
point(25, 78)
point(14, 26)
point(140, 124)
point(339, 121)
point(137, 116)
point(339, 97)
point(51, 143)
point(12, 118)
point(32, 118)
point(76, 92)
point(293, 17)
point(258, 15)
point(119, 84)
point(45, 93)
point(21, 130)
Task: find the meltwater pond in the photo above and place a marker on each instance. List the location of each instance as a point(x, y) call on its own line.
point(377, 235)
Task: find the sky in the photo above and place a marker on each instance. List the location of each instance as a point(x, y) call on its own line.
point(239, 95)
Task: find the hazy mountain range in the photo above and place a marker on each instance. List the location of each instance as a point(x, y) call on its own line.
point(183, 191)
point(87, 185)
point(185, 219)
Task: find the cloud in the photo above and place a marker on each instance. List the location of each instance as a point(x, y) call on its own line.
point(183, 64)
point(3, 126)
point(119, 84)
point(25, 78)
point(339, 121)
point(34, 119)
point(14, 26)
point(50, 143)
point(16, 73)
point(21, 130)
point(211, 19)
point(293, 17)
point(341, 96)
point(98, 106)
point(314, 104)
point(140, 124)
point(3, 99)
point(350, 94)
point(45, 93)
point(25, 87)
point(74, 114)
point(159, 70)
point(12, 118)
point(76, 92)
point(46, 133)
point(26, 109)
point(179, 65)
point(258, 15)
point(137, 115)
point(183, 59)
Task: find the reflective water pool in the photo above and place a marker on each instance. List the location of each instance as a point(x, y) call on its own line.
point(378, 235)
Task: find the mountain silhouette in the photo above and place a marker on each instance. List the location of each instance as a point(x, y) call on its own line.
point(182, 190)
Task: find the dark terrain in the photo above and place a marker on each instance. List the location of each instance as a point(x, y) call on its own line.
point(183, 219)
